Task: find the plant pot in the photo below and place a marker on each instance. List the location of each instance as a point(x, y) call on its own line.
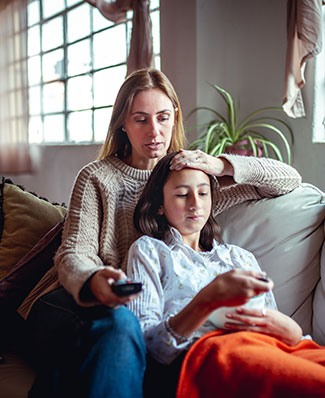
point(243, 147)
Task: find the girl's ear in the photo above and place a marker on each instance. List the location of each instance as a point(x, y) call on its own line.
point(160, 211)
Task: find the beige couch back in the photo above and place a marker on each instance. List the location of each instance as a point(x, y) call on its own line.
point(286, 234)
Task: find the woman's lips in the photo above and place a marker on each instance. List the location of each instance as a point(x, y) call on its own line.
point(154, 145)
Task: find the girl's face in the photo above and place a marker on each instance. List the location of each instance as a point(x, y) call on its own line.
point(187, 203)
point(149, 128)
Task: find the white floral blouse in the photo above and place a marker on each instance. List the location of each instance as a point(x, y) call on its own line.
point(172, 273)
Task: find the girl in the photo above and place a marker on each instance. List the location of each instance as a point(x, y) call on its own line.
point(187, 274)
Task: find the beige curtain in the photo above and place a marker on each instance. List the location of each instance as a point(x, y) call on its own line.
point(304, 41)
point(141, 50)
point(14, 147)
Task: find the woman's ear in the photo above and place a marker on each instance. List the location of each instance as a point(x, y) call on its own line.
point(160, 211)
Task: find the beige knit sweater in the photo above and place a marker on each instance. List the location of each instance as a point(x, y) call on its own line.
point(99, 226)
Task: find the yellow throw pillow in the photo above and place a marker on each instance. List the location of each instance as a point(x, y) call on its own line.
point(26, 218)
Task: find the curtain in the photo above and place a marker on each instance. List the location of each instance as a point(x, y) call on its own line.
point(141, 50)
point(14, 148)
point(304, 41)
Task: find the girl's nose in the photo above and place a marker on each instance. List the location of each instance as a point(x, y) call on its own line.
point(194, 203)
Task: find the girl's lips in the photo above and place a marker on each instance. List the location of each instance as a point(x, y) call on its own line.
point(195, 218)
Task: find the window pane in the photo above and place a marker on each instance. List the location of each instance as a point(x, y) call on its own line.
point(78, 23)
point(33, 12)
point(72, 2)
point(319, 92)
point(79, 58)
point(158, 62)
point(33, 41)
point(156, 31)
point(53, 65)
point(35, 130)
point(80, 127)
point(34, 100)
point(13, 76)
point(128, 34)
point(34, 70)
point(99, 21)
point(110, 47)
point(154, 4)
point(53, 97)
point(50, 7)
point(106, 85)
point(102, 118)
point(54, 128)
point(52, 34)
point(79, 93)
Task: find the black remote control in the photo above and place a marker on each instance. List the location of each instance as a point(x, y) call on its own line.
point(126, 287)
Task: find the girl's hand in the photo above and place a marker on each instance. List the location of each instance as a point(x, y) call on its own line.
point(100, 286)
point(201, 161)
point(271, 322)
point(233, 288)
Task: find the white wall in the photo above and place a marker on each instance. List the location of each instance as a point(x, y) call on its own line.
point(239, 45)
point(55, 169)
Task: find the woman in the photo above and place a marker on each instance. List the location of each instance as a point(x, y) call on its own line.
point(188, 274)
point(73, 314)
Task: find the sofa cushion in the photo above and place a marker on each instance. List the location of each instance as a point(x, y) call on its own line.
point(15, 286)
point(286, 234)
point(24, 219)
point(319, 304)
point(16, 376)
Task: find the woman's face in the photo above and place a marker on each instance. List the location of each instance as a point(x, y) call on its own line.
point(187, 203)
point(149, 127)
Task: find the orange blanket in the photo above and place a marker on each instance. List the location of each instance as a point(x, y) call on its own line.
point(248, 364)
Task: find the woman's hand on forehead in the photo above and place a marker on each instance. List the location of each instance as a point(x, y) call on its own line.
point(201, 161)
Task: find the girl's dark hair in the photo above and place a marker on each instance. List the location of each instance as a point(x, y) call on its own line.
point(146, 218)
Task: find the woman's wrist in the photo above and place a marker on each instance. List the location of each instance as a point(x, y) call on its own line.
point(228, 169)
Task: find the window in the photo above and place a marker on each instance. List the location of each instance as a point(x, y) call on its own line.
point(76, 64)
point(319, 93)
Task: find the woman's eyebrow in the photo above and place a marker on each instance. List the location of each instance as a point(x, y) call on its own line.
point(145, 113)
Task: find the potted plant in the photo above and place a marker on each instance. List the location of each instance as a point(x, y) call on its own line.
point(227, 134)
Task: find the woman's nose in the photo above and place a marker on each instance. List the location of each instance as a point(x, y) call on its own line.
point(154, 128)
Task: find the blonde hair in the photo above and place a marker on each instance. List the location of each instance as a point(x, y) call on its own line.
point(117, 142)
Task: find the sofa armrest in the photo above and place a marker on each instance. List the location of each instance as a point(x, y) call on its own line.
point(286, 235)
point(319, 303)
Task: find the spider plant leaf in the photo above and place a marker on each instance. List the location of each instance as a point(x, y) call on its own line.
point(232, 116)
point(206, 108)
point(253, 145)
point(279, 133)
point(276, 151)
point(263, 110)
point(268, 119)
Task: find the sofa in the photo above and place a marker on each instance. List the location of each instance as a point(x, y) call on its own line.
point(286, 234)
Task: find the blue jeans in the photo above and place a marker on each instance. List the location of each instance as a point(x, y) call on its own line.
point(91, 352)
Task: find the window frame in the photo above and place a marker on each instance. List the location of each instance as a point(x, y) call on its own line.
point(318, 125)
point(94, 113)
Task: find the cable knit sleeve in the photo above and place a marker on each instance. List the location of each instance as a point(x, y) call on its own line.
point(255, 178)
point(77, 257)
